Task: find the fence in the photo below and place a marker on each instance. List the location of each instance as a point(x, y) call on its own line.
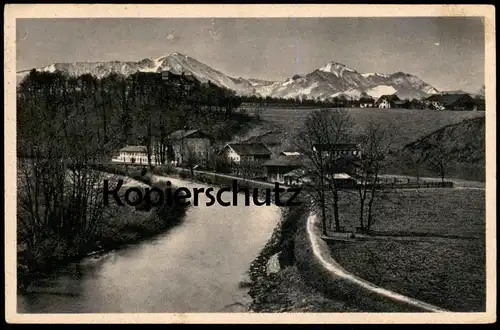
point(415, 185)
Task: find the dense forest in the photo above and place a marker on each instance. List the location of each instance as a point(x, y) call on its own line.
point(102, 115)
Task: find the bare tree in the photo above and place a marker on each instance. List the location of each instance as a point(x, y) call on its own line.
point(257, 111)
point(191, 158)
point(375, 145)
point(414, 160)
point(60, 205)
point(438, 160)
point(317, 141)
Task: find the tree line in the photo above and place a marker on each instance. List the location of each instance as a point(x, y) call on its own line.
point(317, 102)
point(117, 110)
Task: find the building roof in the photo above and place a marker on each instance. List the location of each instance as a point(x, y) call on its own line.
point(134, 149)
point(290, 153)
point(249, 149)
point(341, 176)
point(390, 98)
point(366, 100)
point(449, 99)
point(282, 160)
point(297, 173)
point(300, 173)
point(336, 147)
point(184, 133)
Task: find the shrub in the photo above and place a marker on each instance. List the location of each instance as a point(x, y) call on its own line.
point(166, 169)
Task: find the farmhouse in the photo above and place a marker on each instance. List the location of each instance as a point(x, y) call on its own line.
point(337, 149)
point(284, 164)
point(338, 157)
point(245, 152)
point(451, 102)
point(387, 101)
point(134, 155)
point(190, 145)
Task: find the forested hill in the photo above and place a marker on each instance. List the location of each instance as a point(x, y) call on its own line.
point(460, 148)
point(100, 115)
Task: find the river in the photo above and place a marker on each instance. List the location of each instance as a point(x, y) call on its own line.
point(194, 267)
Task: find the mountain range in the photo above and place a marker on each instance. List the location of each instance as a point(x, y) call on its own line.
point(332, 80)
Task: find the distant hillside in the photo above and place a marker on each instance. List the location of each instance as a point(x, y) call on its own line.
point(462, 145)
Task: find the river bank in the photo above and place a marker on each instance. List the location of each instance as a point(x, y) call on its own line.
point(120, 227)
point(276, 284)
point(198, 266)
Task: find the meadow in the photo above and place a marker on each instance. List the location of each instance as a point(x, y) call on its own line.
point(441, 259)
point(411, 124)
point(459, 212)
point(447, 273)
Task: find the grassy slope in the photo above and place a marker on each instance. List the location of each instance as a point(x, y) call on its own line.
point(463, 145)
point(411, 124)
point(414, 128)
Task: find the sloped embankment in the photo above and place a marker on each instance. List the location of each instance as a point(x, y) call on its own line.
point(460, 147)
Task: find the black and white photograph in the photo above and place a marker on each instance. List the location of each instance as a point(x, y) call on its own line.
point(169, 160)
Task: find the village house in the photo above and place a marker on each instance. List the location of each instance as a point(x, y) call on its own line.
point(337, 149)
point(134, 155)
point(293, 168)
point(387, 101)
point(238, 153)
point(282, 165)
point(451, 102)
point(339, 157)
point(190, 145)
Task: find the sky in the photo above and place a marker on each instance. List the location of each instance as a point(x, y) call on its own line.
point(446, 52)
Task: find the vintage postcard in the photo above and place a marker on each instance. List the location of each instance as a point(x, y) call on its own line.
point(250, 163)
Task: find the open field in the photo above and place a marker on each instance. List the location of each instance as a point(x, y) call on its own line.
point(447, 273)
point(459, 212)
point(445, 268)
point(411, 124)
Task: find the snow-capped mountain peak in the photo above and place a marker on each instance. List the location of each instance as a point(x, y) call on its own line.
point(331, 80)
point(366, 75)
point(336, 68)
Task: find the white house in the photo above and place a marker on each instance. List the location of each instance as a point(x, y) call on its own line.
point(134, 155)
point(241, 152)
point(387, 101)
